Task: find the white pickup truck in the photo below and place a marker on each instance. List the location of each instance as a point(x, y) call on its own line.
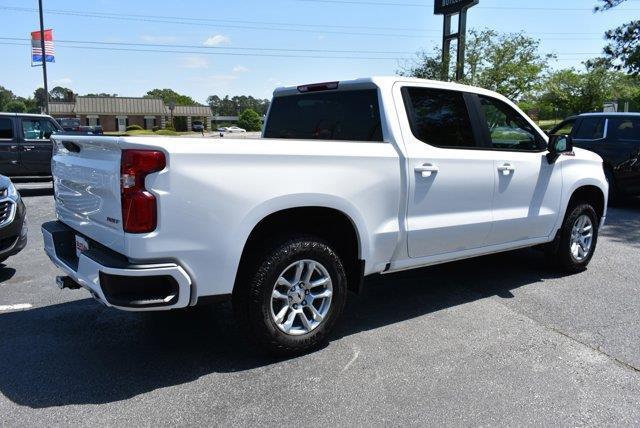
point(349, 179)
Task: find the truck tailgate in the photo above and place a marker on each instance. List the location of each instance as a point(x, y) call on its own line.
point(86, 180)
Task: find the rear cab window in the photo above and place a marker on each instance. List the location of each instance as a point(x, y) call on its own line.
point(346, 115)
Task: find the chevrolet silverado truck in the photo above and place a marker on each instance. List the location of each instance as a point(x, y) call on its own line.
point(349, 179)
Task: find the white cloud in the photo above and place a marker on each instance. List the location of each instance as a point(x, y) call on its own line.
point(158, 39)
point(240, 69)
point(63, 81)
point(194, 61)
point(217, 40)
point(222, 78)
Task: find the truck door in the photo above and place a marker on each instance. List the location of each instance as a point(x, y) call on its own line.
point(35, 144)
point(9, 153)
point(623, 148)
point(451, 180)
point(528, 189)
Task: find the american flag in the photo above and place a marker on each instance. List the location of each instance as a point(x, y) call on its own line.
point(36, 48)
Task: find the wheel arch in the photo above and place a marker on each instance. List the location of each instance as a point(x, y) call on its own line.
point(340, 229)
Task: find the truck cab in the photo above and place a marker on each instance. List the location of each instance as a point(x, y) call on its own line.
point(25, 144)
point(616, 138)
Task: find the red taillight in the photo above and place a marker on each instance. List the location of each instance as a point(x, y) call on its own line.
point(139, 210)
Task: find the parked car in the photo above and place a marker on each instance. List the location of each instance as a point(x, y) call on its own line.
point(222, 129)
point(25, 146)
point(232, 129)
point(72, 125)
point(350, 179)
point(616, 138)
point(197, 126)
point(13, 227)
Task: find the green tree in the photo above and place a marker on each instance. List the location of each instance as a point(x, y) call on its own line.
point(60, 93)
point(169, 95)
point(623, 50)
point(507, 63)
point(228, 106)
point(250, 120)
point(570, 91)
point(39, 95)
point(15, 106)
point(5, 96)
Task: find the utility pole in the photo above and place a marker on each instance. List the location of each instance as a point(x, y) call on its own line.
point(44, 60)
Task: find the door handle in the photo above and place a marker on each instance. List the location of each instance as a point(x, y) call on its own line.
point(426, 169)
point(506, 168)
point(28, 148)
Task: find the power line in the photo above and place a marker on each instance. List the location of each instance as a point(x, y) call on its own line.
point(372, 3)
point(129, 49)
point(126, 17)
point(214, 53)
point(233, 21)
point(216, 47)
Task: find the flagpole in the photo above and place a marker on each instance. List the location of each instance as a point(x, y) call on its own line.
point(44, 61)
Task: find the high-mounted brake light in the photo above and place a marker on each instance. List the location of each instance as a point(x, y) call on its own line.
point(317, 87)
point(139, 208)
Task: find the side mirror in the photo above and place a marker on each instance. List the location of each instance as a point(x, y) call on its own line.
point(558, 144)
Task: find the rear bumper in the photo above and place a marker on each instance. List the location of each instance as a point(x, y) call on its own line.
point(112, 279)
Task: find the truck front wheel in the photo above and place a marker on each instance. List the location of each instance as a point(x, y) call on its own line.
point(291, 296)
point(575, 244)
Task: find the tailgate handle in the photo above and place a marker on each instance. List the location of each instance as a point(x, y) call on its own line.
point(71, 146)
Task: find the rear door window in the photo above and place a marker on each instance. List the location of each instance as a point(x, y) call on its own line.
point(590, 128)
point(343, 115)
point(625, 129)
point(6, 128)
point(439, 117)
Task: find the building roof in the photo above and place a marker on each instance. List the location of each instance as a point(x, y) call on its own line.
point(197, 110)
point(124, 106)
point(61, 107)
point(119, 105)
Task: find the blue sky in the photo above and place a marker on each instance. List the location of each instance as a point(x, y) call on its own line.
point(305, 27)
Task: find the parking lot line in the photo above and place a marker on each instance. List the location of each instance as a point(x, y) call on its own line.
point(18, 307)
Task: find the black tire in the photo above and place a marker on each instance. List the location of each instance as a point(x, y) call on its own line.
point(559, 251)
point(252, 297)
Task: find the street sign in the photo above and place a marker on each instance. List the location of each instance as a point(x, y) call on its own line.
point(448, 7)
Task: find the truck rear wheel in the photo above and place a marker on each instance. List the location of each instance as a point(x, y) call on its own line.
point(292, 296)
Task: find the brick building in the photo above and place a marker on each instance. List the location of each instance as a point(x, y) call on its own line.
point(116, 113)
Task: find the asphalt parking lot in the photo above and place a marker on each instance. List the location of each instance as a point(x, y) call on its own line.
point(499, 340)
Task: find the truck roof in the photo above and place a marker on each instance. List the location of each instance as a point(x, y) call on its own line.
point(610, 114)
point(4, 114)
point(385, 82)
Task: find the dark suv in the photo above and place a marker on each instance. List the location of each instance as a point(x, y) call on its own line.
point(616, 138)
point(25, 147)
